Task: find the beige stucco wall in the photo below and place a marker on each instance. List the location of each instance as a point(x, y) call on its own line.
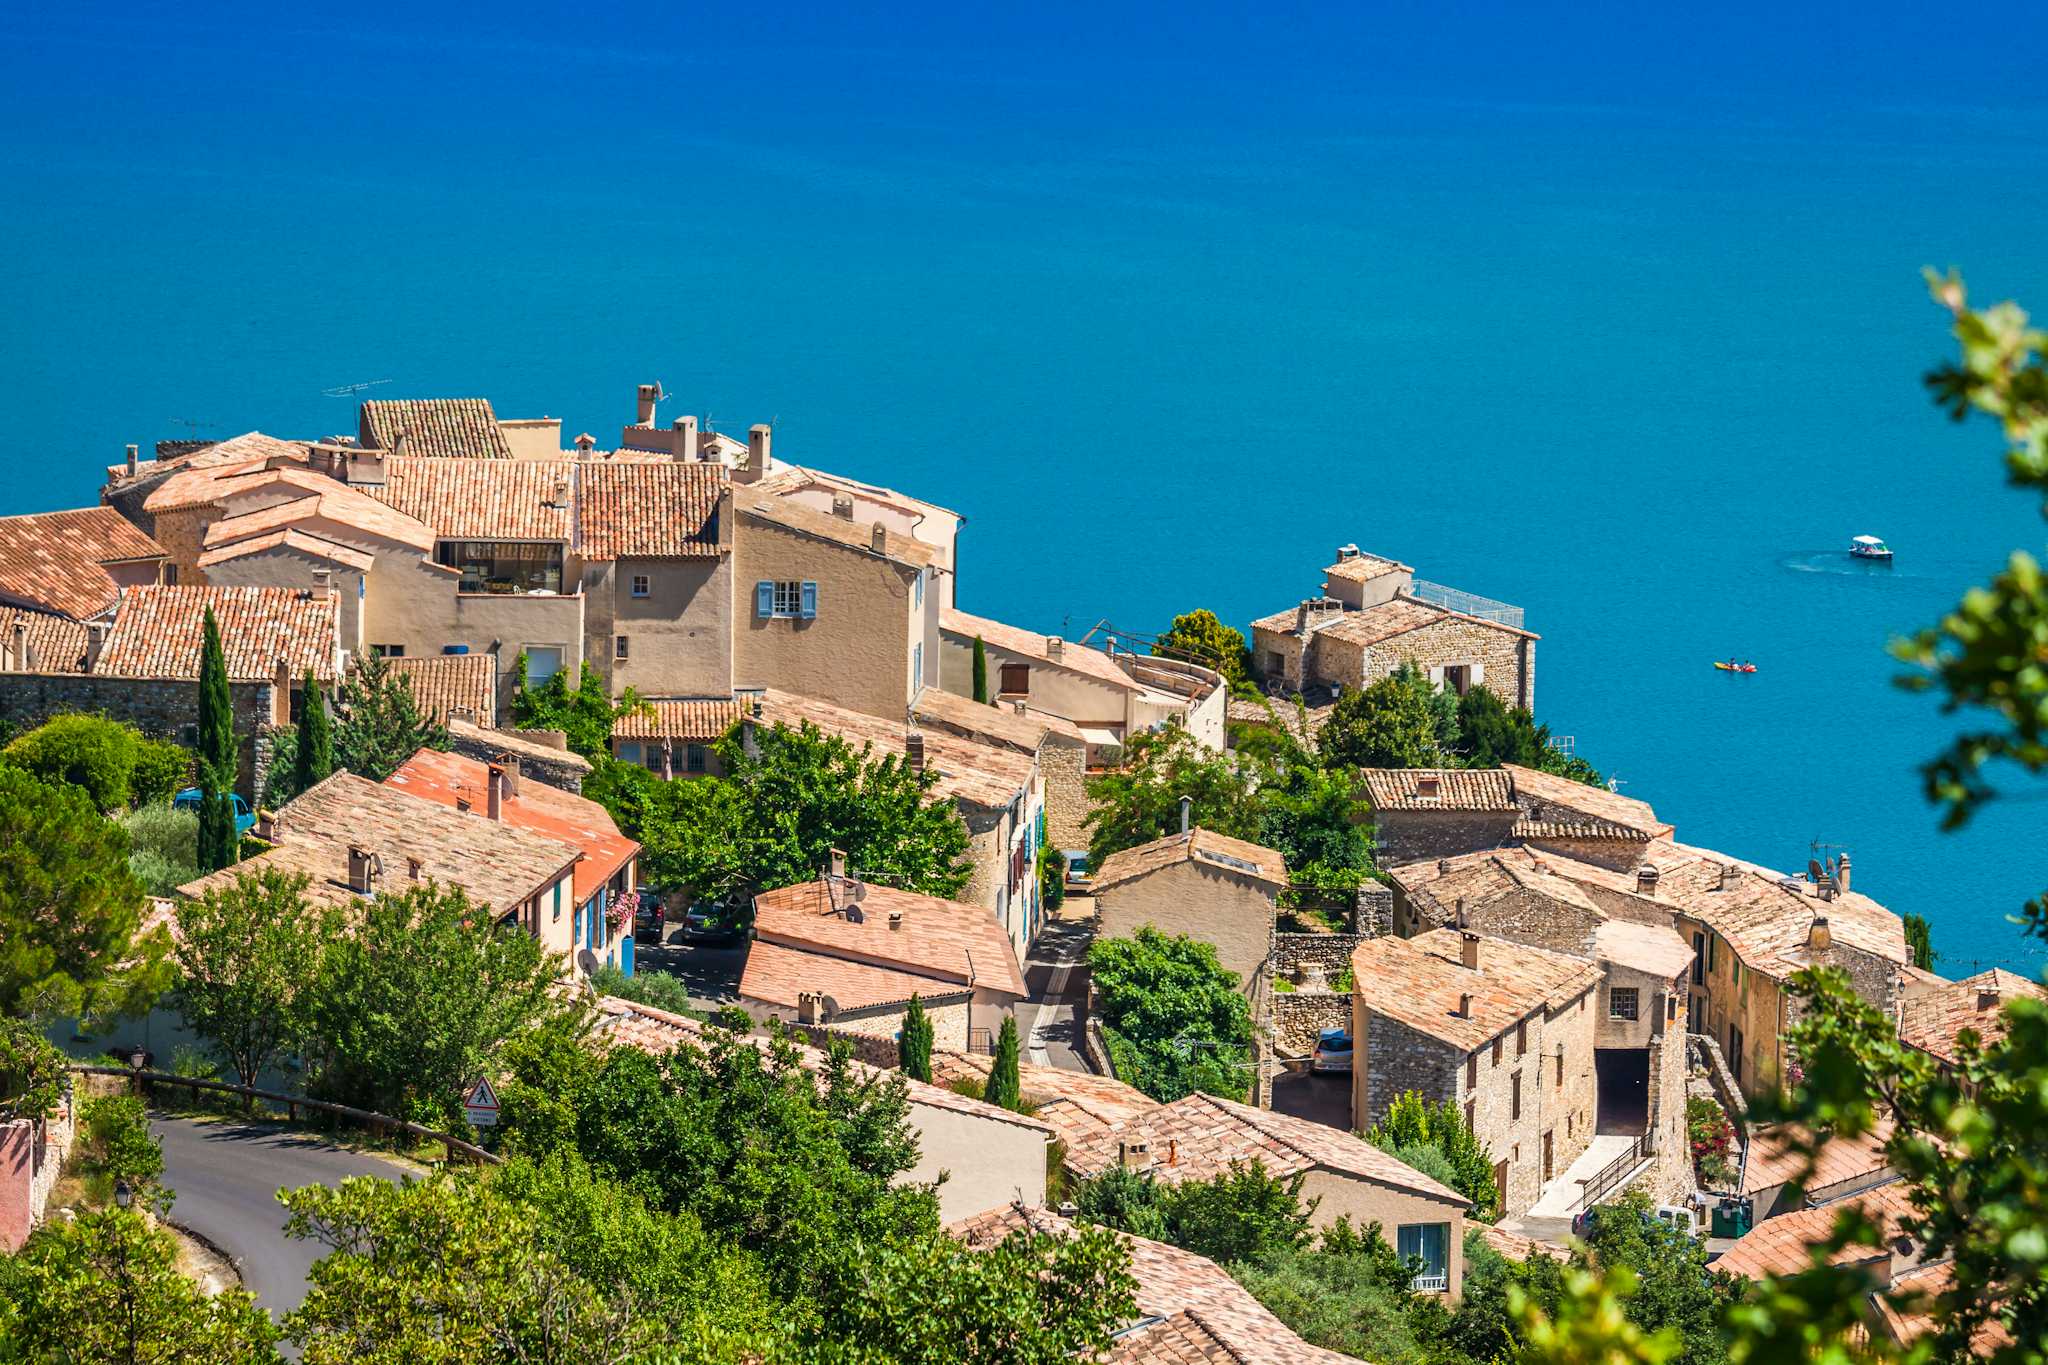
point(413, 603)
point(680, 634)
point(1056, 691)
point(933, 526)
point(533, 438)
point(1364, 1203)
point(993, 836)
point(988, 1162)
point(856, 652)
point(1202, 901)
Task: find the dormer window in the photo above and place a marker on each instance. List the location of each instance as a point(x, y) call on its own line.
point(1428, 788)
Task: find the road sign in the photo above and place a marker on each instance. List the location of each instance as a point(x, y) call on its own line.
point(480, 1105)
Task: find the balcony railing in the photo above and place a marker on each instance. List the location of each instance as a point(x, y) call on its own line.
point(1431, 1284)
point(1469, 604)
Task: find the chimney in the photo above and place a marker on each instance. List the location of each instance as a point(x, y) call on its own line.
point(266, 825)
point(1464, 1005)
point(362, 870)
point(561, 498)
point(1019, 706)
point(1133, 1156)
point(132, 458)
point(643, 406)
point(1346, 552)
point(1818, 937)
point(1656, 1018)
point(585, 443)
point(1731, 876)
point(497, 797)
point(1468, 950)
point(838, 864)
point(1187, 812)
point(1646, 880)
point(668, 761)
point(462, 804)
point(913, 751)
point(1301, 620)
point(1443, 866)
point(1055, 647)
point(759, 458)
point(413, 868)
point(842, 505)
point(17, 657)
point(1987, 995)
point(323, 584)
point(1842, 874)
point(809, 1007)
point(1173, 1151)
point(1463, 919)
point(686, 438)
point(95, 641)
point(895, 921)
point(878, 539)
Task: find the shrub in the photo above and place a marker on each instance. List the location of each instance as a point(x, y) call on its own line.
point(164, 847)
point(656, 989)
point(1172, 1015)
point(116, 1145)
point(91, 753)
point(31, 1072)
point(1412, 1121)
point(161, 770)
point(1711, 1137)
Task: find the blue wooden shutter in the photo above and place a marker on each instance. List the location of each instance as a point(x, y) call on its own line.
point(810, 600)
point(764, 598)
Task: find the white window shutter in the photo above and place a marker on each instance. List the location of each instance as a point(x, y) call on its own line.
point(1436, 676)
point(1478, 674)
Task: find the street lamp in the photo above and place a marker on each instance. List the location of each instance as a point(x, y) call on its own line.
point(124, 1193)
point(138, 1058)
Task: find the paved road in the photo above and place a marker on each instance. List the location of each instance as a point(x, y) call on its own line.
point(712, 975)
point(1058, 977)
point(227, 1175)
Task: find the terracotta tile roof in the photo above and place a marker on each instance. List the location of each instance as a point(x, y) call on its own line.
point(655, 510)
point(479, 499)
point(536, 807)
point(1907, 1325)
point(853, 535)
point(1198, 845)
point(791, 478)
point(1656, 951)
point(55, 643)
point(498, 864)
point(50, 561)
point(969, 771)
point(159, 632)
point(1417, 982)
point(697, 720)
point(1771, 1160)
point(1364, 568)
point(1107, 1098)
point(1024, 731)
point(434, 427)
point(1783, 1245)
point(1468, 789)
point(1934, 1017)
point(1074, 658)
point(1589, 830)
point(519, 744)
point(1197, 1138)
point(936, 939)
point(290, 538)
point(205, 477)
point(329, 502)
point(1479, 879)
point(1516, 1247)
point(1377, 624)
point(776, 975)
point(452, 682)
point(1538, 792)
point(1172, 1284)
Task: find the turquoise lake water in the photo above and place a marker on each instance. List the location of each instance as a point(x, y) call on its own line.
point(1602, 315)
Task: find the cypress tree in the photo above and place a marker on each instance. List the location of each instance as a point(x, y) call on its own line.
point(219, 845)
point(914, 1044)
point(1004, 1088)
point(981, 672)
point(314, 756)
point(216, 708)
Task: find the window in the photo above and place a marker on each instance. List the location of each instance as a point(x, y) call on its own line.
point(695, 759)
point(1699, 959)
point(1560, 1068)
point(1429, 1244)
point(1710, 954)
point(916, 665)
point(1471, 1071)
point(1496, 1049)
point(1622, 1003)
point(558, 900)
point(788, 597)
point(388, 651)
point(1458, 678)
point(1735, 971)
point(542, 663)
point(503, 566)
point(1515, 1101)
point(1471, 1111)
point(170, 575)
point(1015, 679)
point(620, 648)
point(1522, 1038)
point(1275, 665)
point(917, 591)
point(641, 587)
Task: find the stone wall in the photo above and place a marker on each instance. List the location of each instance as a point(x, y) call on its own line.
point(1329, 952)
point(1066, 793)
point(1670, 1179)
point(164, 708)
point(1389, 1059)
point(1298, 1016)
point(1618, 855)
point(542, 755)
point(1508, 658)
point(1372, 914)
point(1413, 836)
point(182, 533)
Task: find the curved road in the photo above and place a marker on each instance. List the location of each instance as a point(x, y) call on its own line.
point(227, 1175)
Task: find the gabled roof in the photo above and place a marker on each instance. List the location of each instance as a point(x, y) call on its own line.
point(1933, 1018)
point(442, 683)
point(1386, 621)
point(1481, 878)
point(484, 499)
point(1784, 1245)
point(1418, 982)
point(55, 643)
point(332, 502)
point(51, 561)
point(1048, 1086)
point(1030, 644)
point(1655, 951)
point(1539, 793)
point(159, 632)
point(776, 975)
point(696, 720)
point(497, 864)
point(853, 535)
point(969, 771)
point(789, 479)
point(1772, 1159)
point(1462, 789)
point(290, 538)
point(565, 817)
point(1006, 725)
point(941, 939)
point(463, 428)
point(209, 474)
point(651, 510)
point(1206, 847)
point(1199, 1136)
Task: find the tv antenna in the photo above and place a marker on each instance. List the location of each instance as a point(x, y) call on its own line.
point(351, 390)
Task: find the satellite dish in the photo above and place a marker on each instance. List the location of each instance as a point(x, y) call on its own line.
point(860, 892)
point(1815, 871)
point(855, 915)
point(586, 962)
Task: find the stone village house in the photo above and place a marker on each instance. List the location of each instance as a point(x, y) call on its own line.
point(1211, 887)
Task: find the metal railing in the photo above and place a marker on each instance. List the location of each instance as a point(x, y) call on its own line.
point(1431, 1284)
point(1465, 603)
point(1610, 1175)
point(293, 1103)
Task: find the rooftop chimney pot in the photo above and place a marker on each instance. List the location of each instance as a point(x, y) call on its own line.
point(1646, 880)
point(1055, 647)
point(1468, 950)
point(842, 506)
point(497, 795)
point(1464, 1005)
point(1842, 874)
point(913, 751)
point(838, 863)
point(895, 921)
point(1987, 997)
point(1819, 938)
point(878, 538)
point(644, 399)
point(363, 867)
point(133, 457)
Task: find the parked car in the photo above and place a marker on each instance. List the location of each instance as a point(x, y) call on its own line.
point(650, 920)
point(1675, 1216)
point(1079, 878)
point(1333, 1051)
point(189, 798)
point(715, 923)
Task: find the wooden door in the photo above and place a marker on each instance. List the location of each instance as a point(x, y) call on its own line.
point(1546, 1156)
point(1500, 1183)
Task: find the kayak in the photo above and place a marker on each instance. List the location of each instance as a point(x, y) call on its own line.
point(1734, 668)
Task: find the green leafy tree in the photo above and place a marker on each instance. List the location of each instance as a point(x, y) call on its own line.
point(981, 692)
point(31, 1072)
point(1130, 1201)
point(412, 1000)
point(247, 955)
point(106, 1287)
point(161, 770)
point(1393, 723)
point(1140, 801)
point(381, 724)
point(689, 831)
point(92, 753)
point(1413, 1121)
point(1920, 941)
point(1175, 1019)
point(115, 1144)
point(1243, 1216)
point(585, 713)
point(1199, 637)
point(1003, 1087)
point(914, 1043)
point(1493, 734)
point(69, 907)
point(1052, 878)
point(313, 745)
point(163, 847)
point(1350, 1293)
